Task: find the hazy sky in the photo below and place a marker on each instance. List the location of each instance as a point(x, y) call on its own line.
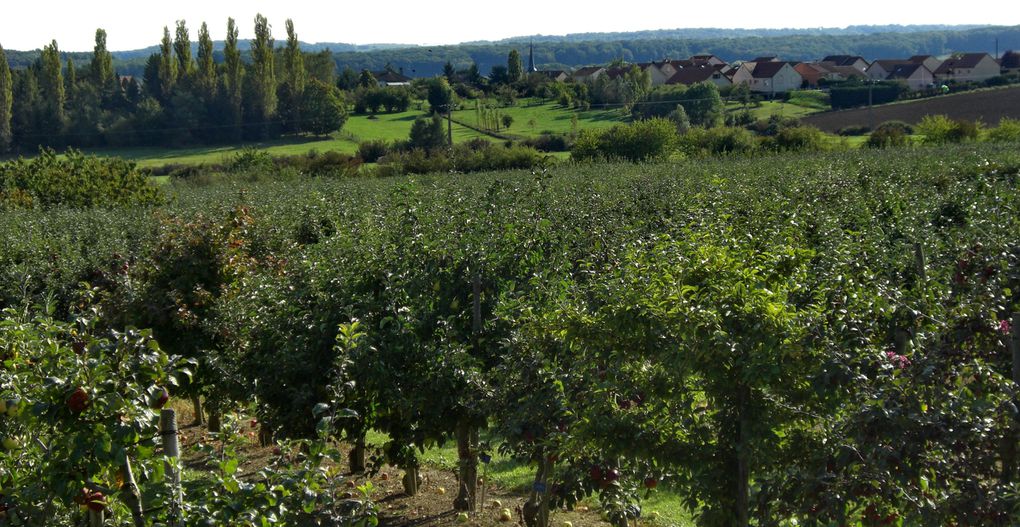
point(130, 25)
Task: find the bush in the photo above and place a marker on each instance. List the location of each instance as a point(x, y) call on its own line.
point(330, 164)
point(427, 133)
point(854, 130)
point(548, 142)
point(371, 151)
point(1007, 131)
point(939, 129)
point(466, 157)
point(889, 134)
point(718, 140)
point(640, 141)
point(799, 138)
point(74, 180)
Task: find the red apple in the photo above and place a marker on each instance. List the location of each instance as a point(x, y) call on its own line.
point(78, 400)
point(651, 483)
point(160, 398)
point(612, 475)
point(96, 501)
point(596, 473)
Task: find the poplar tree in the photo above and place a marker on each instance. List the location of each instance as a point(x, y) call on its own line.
point(263, 78)
point(206, 66)
point(51, 87)
point(6, 101)
point(514, 66)
point(233, 77)
point(167, 68)
point(182, 51)
point(70, 80)
point(292, 91)
point(101, 68)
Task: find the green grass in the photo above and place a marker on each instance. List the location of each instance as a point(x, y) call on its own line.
point(532, 117)
point(511, 474)
point(767, 109)
point(388, 127)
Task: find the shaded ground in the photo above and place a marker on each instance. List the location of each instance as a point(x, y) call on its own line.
point(432, 506)
point(987, 106)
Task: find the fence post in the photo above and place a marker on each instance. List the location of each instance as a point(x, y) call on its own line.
point(172, 452)
point(96, 518)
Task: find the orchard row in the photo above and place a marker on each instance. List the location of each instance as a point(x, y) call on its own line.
point(817, 337)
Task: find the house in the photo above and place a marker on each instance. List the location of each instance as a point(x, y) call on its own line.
point(588, 74)
point(391, 78)
point(708, 59)
point(702, 73)
point(916, 76)
point(656, 72)
point(816, 72)
point(1010, 62)
point(880, 69)
point(768, 77)
point(854, 61)
point(554, 75)
point(969, 67)
point(766, 58)
point(930, 62)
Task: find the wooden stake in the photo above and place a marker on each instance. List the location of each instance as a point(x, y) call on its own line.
point(96, 518)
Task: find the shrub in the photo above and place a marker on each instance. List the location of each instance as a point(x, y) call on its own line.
point(718, 140)
point(371, 151)
point(427, 134)
point(939, 129)
point(548, 142)
point(466, 157)
point(799, 138)
point(640, 141)
point(885, 136)
point(74, 180)
point(854, 130)
point(1008, 130)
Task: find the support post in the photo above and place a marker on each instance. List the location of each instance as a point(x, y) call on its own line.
point(172, 452)
point(132, 495)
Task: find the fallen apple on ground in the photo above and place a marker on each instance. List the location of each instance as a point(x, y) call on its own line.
point(462, 517)
point(505, 515)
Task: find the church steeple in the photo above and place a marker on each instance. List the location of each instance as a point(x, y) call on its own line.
point(531, 58)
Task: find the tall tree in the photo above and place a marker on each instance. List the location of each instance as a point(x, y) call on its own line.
point(101, 68)
point(294, 81)
point(263, 78)
point(167, 68)
point(294, 61)
point(6, 101)
point(51, 86)
point(70, 80)
point(206, 76)
point(233, 78)
point(514, 66)
point(182, 50)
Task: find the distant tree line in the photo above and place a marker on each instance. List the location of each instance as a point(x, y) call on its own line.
point(178, 99)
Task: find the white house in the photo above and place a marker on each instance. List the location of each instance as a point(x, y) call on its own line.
point(970, 67)
point(916, 76)
point(768, 77)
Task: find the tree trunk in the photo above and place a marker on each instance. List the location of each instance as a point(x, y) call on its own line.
point(411, 481)
point(265, 435)
point(742, 469)
point(356, 459)
point(131, 495)
point(467, 453)
point(536, 509)
point(96, 518)
point(196, 403)
point(214, 421)
point(1009, 442)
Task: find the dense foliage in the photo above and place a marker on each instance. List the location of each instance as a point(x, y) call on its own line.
point(73, 180)
point(809, 337)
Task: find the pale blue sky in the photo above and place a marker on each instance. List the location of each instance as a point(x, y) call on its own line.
point(134, 24)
